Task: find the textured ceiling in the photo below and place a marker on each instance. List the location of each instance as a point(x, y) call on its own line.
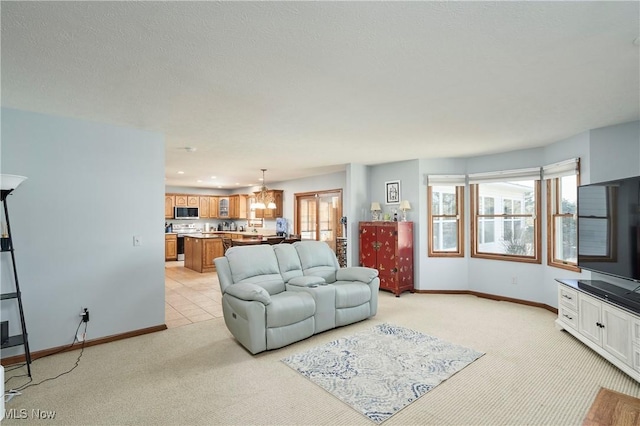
point(303, 88)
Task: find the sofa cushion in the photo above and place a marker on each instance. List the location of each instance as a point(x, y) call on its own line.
point(289, 307)
point(316, 253)
point(288, 261)
point(256, 265)
point(351, 294)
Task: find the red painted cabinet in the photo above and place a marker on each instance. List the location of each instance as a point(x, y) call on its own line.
point(388, 247)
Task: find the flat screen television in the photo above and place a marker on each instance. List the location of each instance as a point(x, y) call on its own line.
point(609, 228)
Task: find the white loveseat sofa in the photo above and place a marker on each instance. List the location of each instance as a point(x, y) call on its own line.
point(275, 295)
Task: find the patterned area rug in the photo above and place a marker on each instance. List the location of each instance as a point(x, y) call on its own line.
point(380, 371)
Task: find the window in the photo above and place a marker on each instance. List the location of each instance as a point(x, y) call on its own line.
point(505, 211)
point(446, 196)
point(562, 231)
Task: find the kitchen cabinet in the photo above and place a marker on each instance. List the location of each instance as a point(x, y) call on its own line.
point(199, 253)
point(169, 204)
point(213, 207)
point(170, 247)
point(388, 247)
point(181, 200)
point(204, 207)
point(238, 206)
point(223, 208)
point(276, 195)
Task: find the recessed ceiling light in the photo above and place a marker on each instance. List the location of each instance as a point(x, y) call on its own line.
point(213, 177)
point(199, 180)
point(180, 172)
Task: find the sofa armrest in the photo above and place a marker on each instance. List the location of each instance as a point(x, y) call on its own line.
point(307, 281)
point(247, 291)
point(356, 273)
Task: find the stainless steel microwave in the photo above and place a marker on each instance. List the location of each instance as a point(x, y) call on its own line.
point(186, 213)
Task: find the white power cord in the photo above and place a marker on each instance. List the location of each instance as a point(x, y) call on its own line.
point(9, 395)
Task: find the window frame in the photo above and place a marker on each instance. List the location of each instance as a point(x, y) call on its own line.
point(476, 216)
point(459, 217)
point(554, 202)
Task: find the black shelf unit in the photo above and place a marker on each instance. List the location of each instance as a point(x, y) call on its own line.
point(18, 339)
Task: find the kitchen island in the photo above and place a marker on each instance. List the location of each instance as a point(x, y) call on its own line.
point(200, 250)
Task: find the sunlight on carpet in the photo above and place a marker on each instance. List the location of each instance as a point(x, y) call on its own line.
point(382, 370)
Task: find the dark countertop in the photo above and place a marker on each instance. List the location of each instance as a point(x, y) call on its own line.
point(618, 296)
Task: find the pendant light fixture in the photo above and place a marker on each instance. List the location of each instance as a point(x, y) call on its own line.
point(263, 199)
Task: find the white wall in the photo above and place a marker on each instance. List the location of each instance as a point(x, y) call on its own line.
point(614, 152)
point(91, 187)
point(355, 204)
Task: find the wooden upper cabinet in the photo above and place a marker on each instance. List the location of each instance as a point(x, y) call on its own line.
point(204, 207)
point(276, 194)
point(243, 206)
point(213, 207)
point(169, 204)
point(238, 206)
point(181, 200)
point(223, 208)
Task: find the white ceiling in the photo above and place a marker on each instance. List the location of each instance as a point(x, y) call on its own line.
point(303, 88)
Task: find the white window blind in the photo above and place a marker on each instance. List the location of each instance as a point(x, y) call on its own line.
point(532, 173)
point(563, 168)
point(455, 180)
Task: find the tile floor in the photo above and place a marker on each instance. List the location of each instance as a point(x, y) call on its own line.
point(190, 296)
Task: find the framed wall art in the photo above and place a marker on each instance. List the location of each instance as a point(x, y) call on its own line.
point(392, 191)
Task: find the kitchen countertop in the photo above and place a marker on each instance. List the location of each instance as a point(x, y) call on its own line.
point(264, 233)
point(202, 236)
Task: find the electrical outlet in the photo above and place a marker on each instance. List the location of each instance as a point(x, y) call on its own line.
point(514, 280)
point(137, 240)
point(80, 337)
point(84, 314)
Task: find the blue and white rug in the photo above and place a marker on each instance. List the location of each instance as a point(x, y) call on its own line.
point(380, 371)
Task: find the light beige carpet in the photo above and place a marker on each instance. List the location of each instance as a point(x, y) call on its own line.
point(531, 373)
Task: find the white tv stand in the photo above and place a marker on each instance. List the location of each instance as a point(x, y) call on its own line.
point(611, 330)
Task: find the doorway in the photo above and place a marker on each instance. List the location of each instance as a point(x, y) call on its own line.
point(317, 216)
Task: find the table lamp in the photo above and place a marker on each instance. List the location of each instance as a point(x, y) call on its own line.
point(375, 211)
point(404, 206)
